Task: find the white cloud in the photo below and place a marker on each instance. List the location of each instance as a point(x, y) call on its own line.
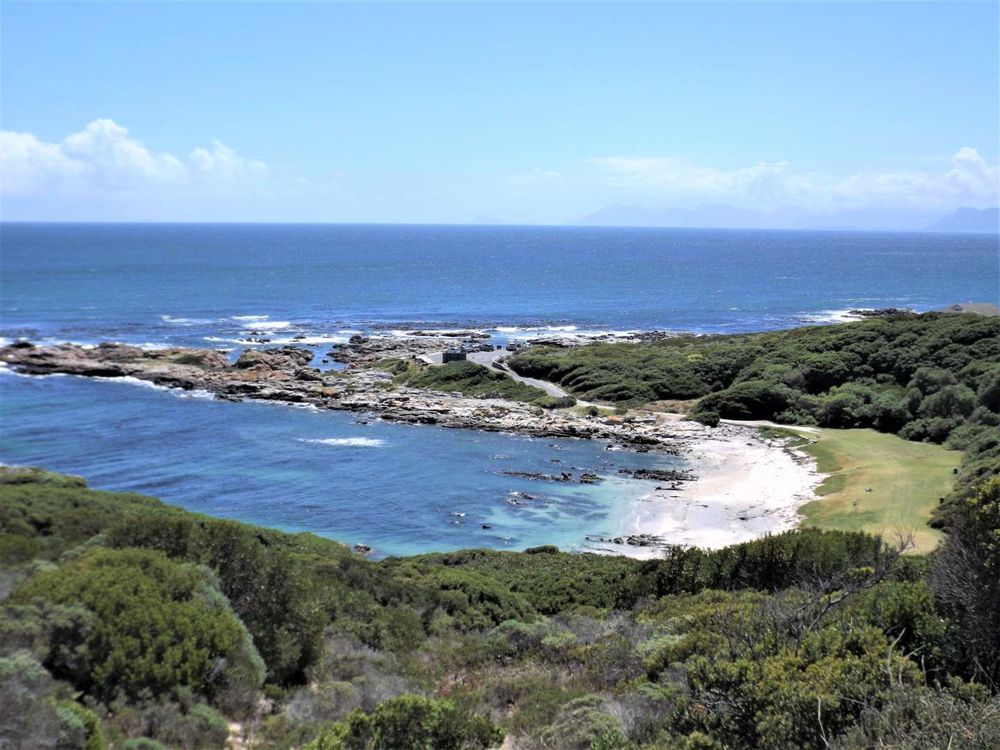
point(104, 158)
point(103, 172)
point(222, 163)
point(28, 165)
point(970, 181)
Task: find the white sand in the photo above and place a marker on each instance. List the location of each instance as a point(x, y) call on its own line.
point(747, 487)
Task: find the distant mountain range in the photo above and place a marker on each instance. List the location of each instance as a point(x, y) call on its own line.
point(721, 216)
point(969, 220)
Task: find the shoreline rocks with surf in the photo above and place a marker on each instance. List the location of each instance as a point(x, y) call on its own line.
point(283, 374)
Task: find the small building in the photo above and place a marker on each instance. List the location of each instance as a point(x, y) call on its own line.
point(453, 355)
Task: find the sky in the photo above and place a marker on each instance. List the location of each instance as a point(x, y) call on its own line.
point(497, 112)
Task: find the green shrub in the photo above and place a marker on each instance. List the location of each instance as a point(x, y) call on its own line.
point(79, 727)
point(28, 718)
point(774, 701)
point(753, 399)
point(262, 573)
point(919, 718)
point(42, 516)
point(906, 613)
point(212, 728)
point(580, 724)
point(555, 402)
point(411, 722)
point(708, 418)
point(158, 625)
point(965, 579)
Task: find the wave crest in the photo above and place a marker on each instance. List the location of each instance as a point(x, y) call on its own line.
point(353, 442)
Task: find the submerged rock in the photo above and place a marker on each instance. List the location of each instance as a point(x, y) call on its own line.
point(660, 475)
point(632, 540)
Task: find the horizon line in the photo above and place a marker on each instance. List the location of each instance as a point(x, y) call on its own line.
point(487, 225)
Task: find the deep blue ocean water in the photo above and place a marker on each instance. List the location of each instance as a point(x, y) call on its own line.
point(396, 487)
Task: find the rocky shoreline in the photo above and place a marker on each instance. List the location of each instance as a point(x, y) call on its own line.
point(284, 374)
point(742, 487)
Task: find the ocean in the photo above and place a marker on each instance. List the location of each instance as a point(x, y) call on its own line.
point(402, 489)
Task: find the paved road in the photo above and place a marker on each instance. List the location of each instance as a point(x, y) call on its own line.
point(489, 360)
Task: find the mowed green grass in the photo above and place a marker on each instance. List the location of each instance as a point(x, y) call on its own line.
point(879, 483)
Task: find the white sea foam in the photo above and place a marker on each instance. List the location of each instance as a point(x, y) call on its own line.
point(185, 321)
point(6, 369)
point(222, 340)
point(196, 393)
point(150, 346)
point(61, 342)
point(138, 381)
point(284, 404)
point(563, 332)
point(831, 316)
point(270, 325)
point(249, 318)
point(180, 392)
point(354, 442)
point(516, 329)
point(317, 340)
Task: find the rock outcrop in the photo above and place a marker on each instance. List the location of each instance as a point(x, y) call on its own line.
point(283, 374)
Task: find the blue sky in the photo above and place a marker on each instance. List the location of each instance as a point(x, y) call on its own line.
point(522, 112)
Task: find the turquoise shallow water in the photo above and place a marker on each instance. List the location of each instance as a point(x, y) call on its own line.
point(397, 487)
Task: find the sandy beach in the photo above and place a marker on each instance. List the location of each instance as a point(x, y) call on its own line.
point(746, 487)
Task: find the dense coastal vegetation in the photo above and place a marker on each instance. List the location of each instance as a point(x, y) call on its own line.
point(925, 377)
point(128, 623)
point(126, 618)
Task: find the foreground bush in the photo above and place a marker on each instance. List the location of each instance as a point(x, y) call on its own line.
point(411, 723)
point(157, 626)
point(117, 629)
point(964, 717)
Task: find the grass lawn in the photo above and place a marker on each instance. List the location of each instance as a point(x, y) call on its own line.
point(879, 483)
